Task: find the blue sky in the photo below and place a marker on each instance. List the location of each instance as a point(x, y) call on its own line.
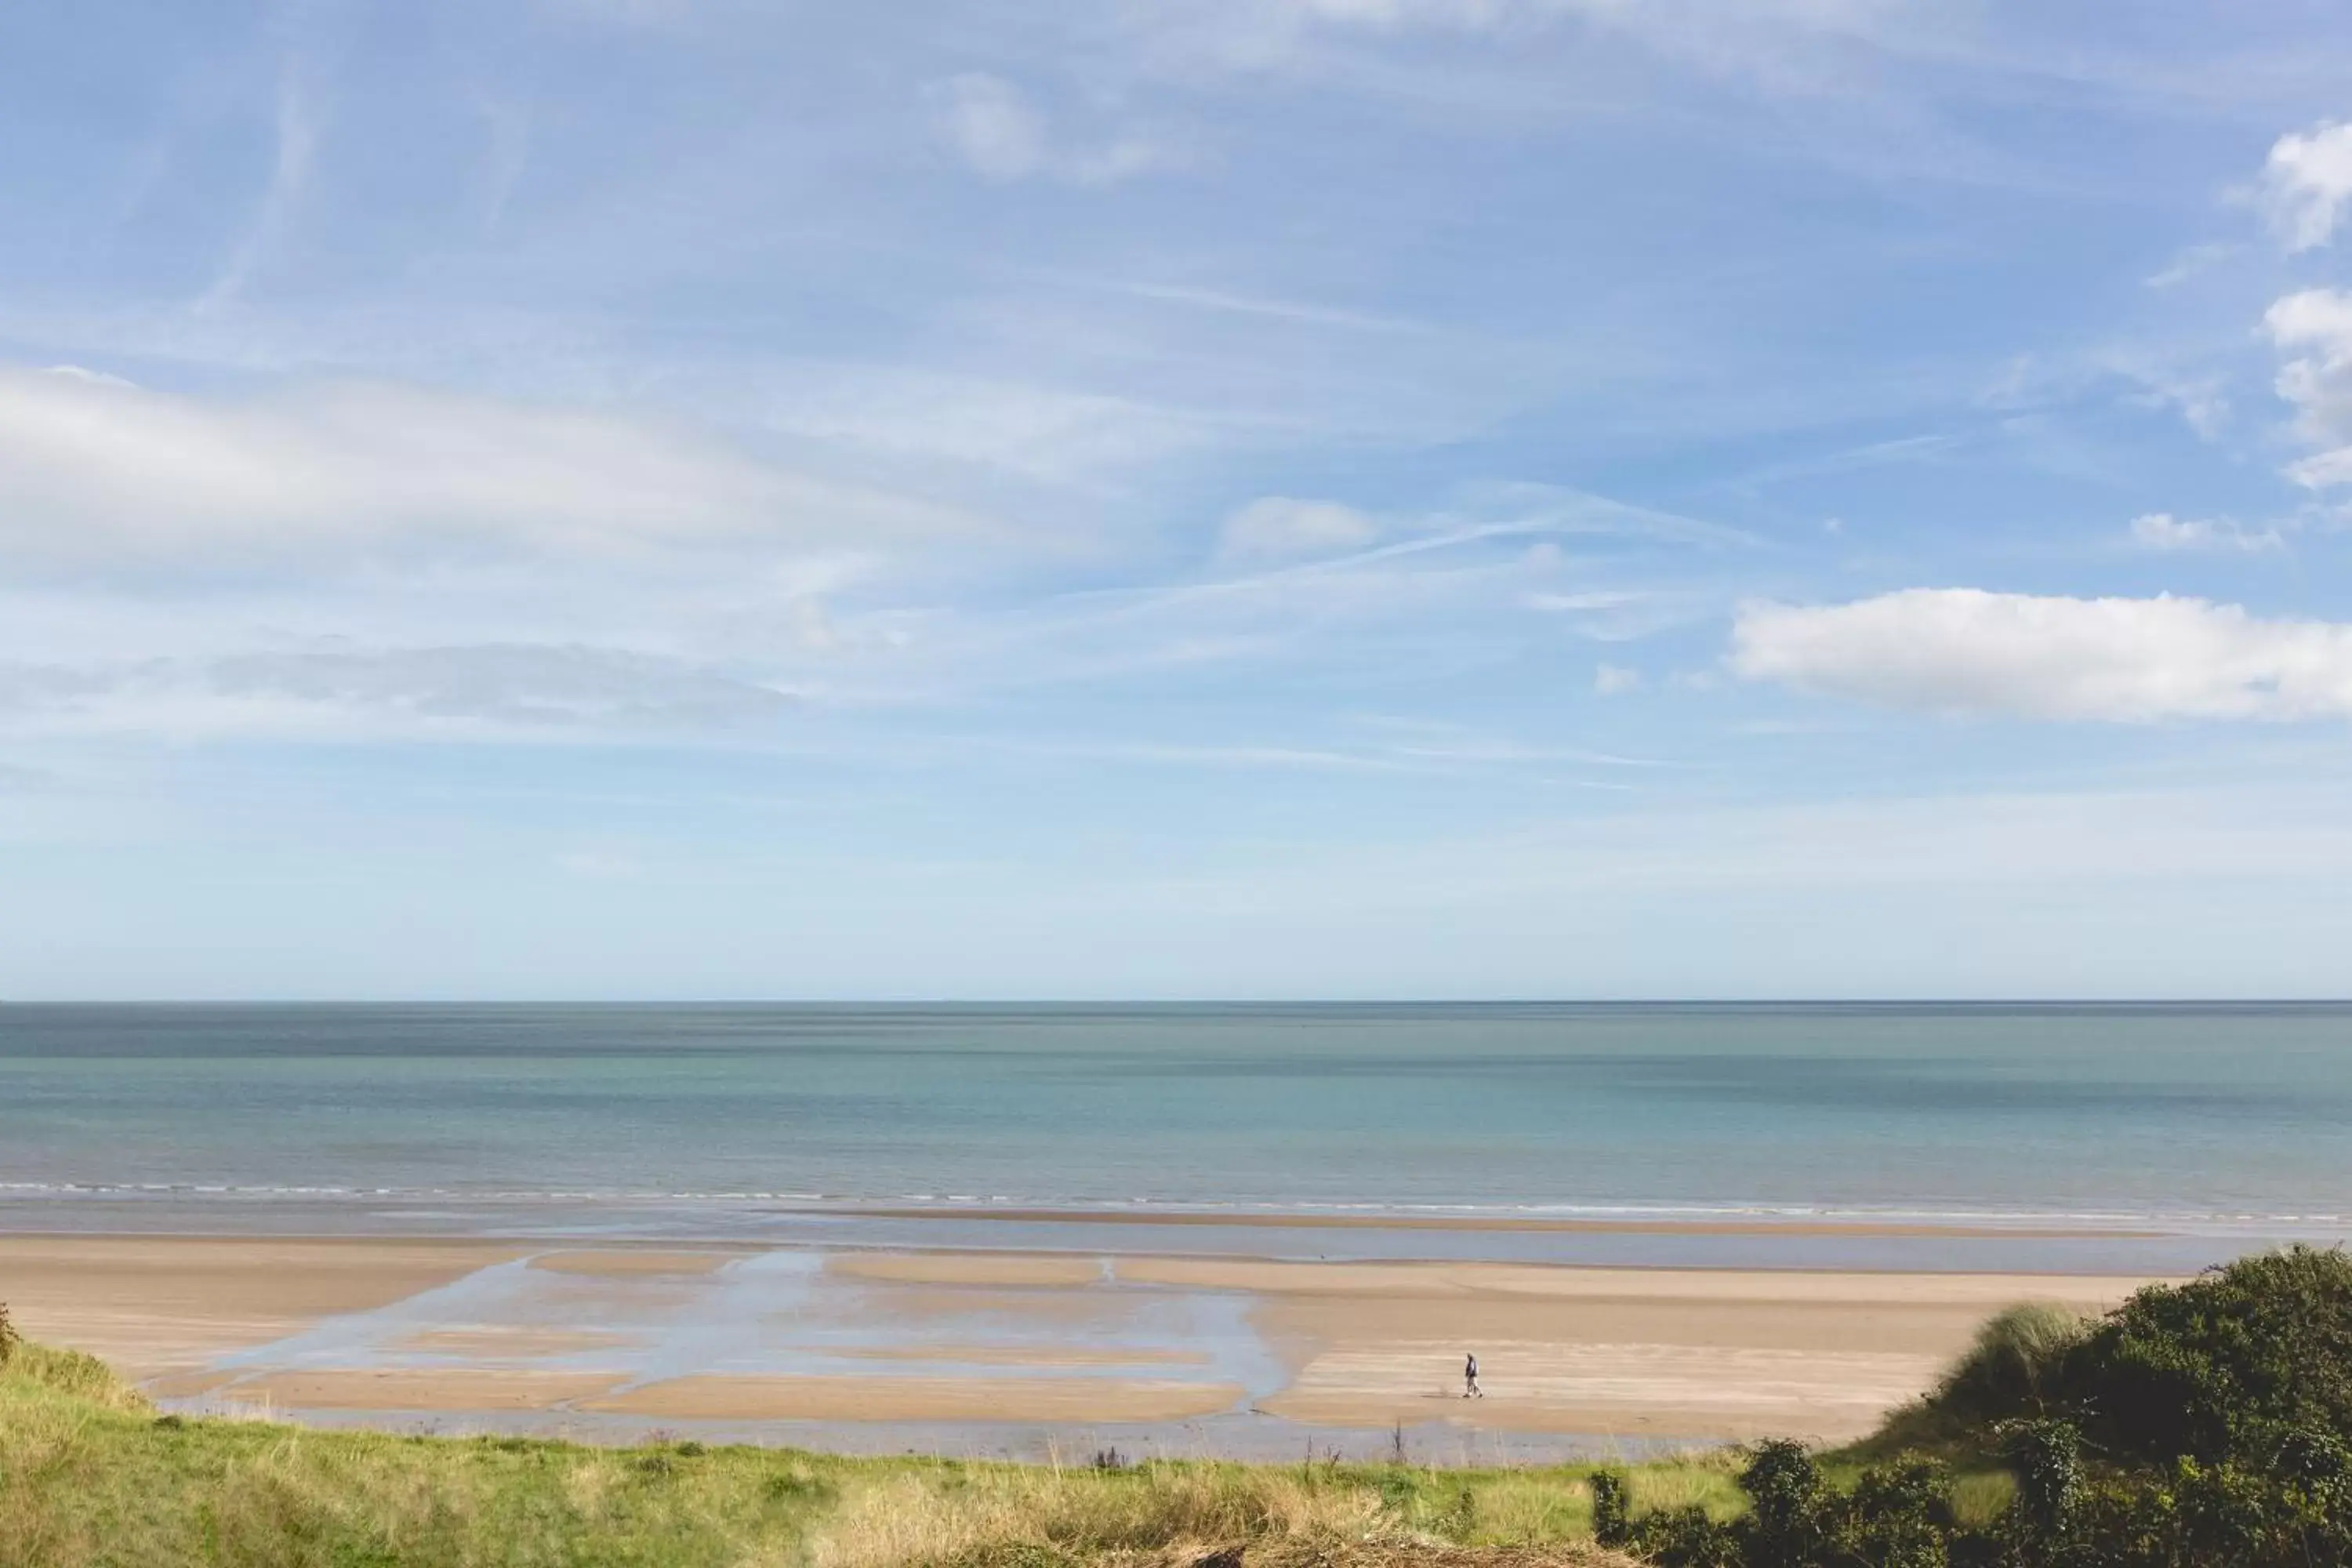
point(1175, 498)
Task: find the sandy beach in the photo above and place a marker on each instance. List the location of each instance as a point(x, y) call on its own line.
point(477, 1330)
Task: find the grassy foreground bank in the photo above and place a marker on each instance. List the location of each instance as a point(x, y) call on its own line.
point(90, 1475)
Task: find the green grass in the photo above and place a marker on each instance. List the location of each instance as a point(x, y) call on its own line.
point(89, 1474)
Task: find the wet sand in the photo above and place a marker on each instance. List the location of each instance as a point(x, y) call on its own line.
point(1631, 1226)
point(1085, 1401)
point(1240, 1349)
point(628, 1263)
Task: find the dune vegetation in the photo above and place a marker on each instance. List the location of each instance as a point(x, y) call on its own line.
point(2200, 1425)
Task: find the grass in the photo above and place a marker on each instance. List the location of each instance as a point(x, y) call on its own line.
point(90, 1475)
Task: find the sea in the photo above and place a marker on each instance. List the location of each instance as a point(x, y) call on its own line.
point(2091, 1136)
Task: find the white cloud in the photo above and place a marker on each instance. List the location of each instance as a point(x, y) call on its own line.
point(993, 127)
point(1274, 527)
point(2306, 182)
point(495, 691)
point(2317, 380)
point(92, 469)
point(1966, 651)
point(1616, 680)
point(2162, 530)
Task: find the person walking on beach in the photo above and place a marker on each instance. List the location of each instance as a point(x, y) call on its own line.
point(1470, 1389)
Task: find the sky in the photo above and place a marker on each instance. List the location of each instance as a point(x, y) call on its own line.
point(672, 498)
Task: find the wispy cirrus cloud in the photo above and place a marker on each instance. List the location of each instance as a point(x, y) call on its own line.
point(95, 470)
point(294, 161)
point(510, 691)
point(2162, 531)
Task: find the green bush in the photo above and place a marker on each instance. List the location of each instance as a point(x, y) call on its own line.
point(2224, 1366)
point(1786, 1525)
point(1901, 1516)
point(1613, 1512)
point(9, 1338)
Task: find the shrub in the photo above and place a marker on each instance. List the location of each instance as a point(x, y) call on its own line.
point(9, 1338)
point(1785, 1525)
point(1902, 1515)
point(1613, 1512)
point(1686, 1538)
point(2047, 1458)
point(2225, 1365)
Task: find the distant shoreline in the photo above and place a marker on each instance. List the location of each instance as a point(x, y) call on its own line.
point(1303, 1220)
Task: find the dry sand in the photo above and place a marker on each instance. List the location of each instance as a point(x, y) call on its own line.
point(159, 1304)
point(469, 1389)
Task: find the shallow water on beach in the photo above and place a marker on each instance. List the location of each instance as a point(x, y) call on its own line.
point(706, 1117)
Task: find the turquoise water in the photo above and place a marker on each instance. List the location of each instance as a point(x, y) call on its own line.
point(2196, 1113)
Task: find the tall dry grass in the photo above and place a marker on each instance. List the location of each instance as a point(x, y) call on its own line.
point(958, 1514)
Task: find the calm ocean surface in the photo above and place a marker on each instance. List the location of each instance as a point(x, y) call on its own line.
point(2229, 1113)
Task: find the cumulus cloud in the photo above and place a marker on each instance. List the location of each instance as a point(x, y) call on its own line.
point(1002, 135)
point(1282, 527)
point(2162, 530)
point(92, 468)
point(2306, 182)
point(1967, 651)
point(2315, 326)
point(1616, 680)
point(496, 689)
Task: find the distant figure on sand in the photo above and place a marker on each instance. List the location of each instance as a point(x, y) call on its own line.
point(1470, 1389)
